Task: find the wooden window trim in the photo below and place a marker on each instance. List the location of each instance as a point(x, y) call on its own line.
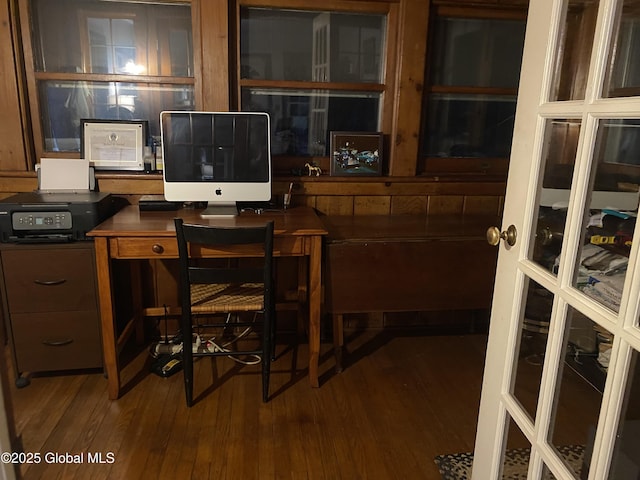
point(429, 166)
point(389, 77)
point(33, 77)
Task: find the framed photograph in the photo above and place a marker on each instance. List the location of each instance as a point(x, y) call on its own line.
point(356, 154)
point(114, 144)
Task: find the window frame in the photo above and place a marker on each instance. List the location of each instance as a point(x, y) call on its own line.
point(387, 88)
point(34, 77)
point(428, 165)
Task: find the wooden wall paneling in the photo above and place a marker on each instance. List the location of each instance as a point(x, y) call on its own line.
point(372, 205)
point(135, 184)
point(412, 47)
point(213, 53)
point(334, 205)
point(165, 281)
point(409, 205)
point(445, 205)
point(404, 186)
point(16, 182)
point(15, 153)
point(481, 205)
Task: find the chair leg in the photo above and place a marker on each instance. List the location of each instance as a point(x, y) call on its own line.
point(272, 332)
point(187, 366)
point(267, 351)
point(187, 359)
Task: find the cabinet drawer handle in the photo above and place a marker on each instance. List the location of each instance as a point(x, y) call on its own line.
point(48, 283)
point(57, 343)
point(157, 248)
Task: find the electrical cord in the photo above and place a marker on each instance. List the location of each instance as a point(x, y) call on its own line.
point(213, 347)
point(174, 347)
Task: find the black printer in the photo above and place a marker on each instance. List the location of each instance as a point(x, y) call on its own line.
point(39, 216)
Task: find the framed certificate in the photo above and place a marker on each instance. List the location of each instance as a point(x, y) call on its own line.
point(114, 144)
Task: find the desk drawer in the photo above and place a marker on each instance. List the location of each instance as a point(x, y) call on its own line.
point(144, 247)
point(167, 247)
point(51, 279)
point(57, 341)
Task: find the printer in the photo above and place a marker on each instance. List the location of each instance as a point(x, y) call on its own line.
point(59, 213)
point(33, 217)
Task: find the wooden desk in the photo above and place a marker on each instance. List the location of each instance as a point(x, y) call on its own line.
point(394, 263)
point(134, 235)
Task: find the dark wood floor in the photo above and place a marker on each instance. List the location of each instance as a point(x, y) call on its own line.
point(401, 400)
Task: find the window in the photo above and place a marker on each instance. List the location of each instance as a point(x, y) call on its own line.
point(314, 72)
point(106, 60)
point(473, 70)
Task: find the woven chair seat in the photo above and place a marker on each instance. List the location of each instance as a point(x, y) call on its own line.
point(217, 298)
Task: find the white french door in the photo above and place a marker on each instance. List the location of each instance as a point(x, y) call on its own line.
point(562, 372)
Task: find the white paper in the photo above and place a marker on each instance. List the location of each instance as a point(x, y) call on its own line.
point(64, 174)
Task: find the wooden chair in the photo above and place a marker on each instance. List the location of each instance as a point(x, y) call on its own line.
point(209, 290)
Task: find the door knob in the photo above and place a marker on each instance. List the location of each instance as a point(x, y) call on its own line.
point(509, 235)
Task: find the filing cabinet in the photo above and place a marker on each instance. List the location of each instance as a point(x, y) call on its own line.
point(50, 307)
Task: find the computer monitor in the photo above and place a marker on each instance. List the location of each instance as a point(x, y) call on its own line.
point(216, 157)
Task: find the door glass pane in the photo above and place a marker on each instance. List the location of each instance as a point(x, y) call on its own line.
point(626, 454)
point(561, 144)
point(517, 454)
point(311, 45)
point(67, 102)
point(546, 474)
point(624, 75)
point(301, 120)
point(534, 333)
point(582, 374)
point(611, 213)
point(575, 50)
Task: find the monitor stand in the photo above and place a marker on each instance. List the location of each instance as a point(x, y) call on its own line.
point(220, 210)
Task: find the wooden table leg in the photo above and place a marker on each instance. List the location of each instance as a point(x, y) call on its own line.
point(107, 320)
point(315, 283)
point(338, 339)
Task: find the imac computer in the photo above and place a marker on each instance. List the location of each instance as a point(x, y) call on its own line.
point(216, 157)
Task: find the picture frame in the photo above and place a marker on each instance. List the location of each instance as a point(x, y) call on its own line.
point(355, 154)
point(114, 144)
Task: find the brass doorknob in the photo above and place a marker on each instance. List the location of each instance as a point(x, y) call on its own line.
point(509, 235)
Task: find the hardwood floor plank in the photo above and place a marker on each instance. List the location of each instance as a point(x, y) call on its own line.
point(402, 400)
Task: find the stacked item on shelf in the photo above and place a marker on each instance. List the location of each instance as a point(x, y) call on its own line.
point(605, 342)
point(601, 275)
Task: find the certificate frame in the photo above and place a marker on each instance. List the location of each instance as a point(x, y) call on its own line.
point(114, 144)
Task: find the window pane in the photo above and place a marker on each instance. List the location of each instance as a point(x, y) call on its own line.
point(626, 454)
point(609, 213)
point(477, 52)
point(468, 125)
point(99, 36)
point(65, 103)
point(301, 120)
point(311, 46)
point(579, 388)
point(625, 64)
point(575, 47)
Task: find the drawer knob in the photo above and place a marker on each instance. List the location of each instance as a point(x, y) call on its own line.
point(157, 248)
